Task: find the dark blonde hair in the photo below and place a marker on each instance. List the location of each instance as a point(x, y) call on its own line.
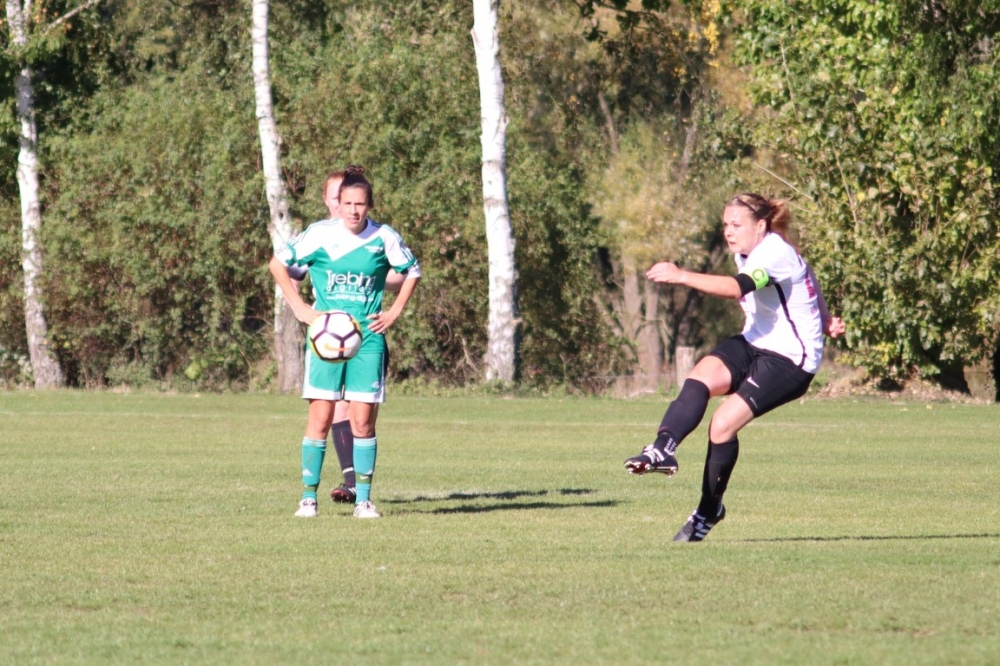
point(773, 211)
point(330, 177)
point(354, 176)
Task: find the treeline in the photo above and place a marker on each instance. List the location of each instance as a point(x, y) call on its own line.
point(630, 125)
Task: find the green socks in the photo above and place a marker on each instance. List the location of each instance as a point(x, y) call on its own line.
point(364, 466)
point(313, 451)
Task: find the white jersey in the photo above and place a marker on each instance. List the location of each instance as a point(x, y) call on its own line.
point(783, 316)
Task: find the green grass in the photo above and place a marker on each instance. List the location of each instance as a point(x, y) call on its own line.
point(151, 528)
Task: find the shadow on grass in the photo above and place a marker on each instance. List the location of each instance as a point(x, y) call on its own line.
point(603, 504)
point(511, 496)
point(908, 537)
point(505, 495)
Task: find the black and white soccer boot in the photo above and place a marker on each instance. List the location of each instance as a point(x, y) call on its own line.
point(652, 459)
point(697, 526)
point(344, 493)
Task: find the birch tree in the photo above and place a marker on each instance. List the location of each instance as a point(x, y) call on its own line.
point(503, 317)
point(288, 338)
point(44, 365)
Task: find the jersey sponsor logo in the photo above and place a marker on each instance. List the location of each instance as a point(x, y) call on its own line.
point(351, 298)
point(355, 281)
point(375, 249)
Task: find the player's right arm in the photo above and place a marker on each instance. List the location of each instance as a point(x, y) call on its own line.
point(723, 286)
point(303, 311)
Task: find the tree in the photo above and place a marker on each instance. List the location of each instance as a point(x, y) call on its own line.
point(152, 188)
point(889, 115)
point(650, 82)
point(288, 339)
point(503, 318)
point(44, 363)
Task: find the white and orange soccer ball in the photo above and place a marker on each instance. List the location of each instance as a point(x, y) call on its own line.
point(335, 336)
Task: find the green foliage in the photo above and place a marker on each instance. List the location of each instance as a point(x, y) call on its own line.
point(890, 113)
point(653, 55)
point(359, 92)
point(151, 36)
point(154, 212)
point(155, 235)
point(564, 335)
point(12, 332)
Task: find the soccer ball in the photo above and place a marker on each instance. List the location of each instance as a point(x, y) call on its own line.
point(335, 336)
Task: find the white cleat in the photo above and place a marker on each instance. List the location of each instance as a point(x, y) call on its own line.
point(307, 509)
point(366, 510)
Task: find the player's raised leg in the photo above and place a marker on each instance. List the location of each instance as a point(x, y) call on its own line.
point(709, 378)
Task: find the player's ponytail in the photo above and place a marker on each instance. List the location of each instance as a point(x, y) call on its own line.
point(773, 211)
point(354, 176)
point(780, 218)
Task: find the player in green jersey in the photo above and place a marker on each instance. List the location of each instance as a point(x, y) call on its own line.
point(348, 260)
point(340, 426)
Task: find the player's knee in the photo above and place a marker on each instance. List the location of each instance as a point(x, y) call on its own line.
point(341, 411)
point(363, 427)
point(721, 429)
point(317, 429)
point(711, 372)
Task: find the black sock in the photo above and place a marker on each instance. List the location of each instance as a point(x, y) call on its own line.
point(343, 442)
point(719, 464)
point(683, 415)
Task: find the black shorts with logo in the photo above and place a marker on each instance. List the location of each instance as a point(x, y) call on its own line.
point(763, 379)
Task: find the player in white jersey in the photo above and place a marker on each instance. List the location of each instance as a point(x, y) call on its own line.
point(348, 260)
point(770, 363)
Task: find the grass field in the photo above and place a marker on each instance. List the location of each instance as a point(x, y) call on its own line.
point(158, 529)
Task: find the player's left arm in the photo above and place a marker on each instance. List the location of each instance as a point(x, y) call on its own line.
point(832, 326)
point(381, 321)
point(404, 264)
point(393, 281)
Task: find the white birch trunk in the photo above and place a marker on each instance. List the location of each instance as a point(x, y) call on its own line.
point(502, 331)
point(44, 366)
point(288, 338)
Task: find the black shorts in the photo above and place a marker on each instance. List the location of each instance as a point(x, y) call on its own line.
point(763, 379)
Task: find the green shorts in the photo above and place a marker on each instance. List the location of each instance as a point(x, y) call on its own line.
point(362, 378)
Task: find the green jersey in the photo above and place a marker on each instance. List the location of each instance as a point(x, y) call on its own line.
point(348, 270)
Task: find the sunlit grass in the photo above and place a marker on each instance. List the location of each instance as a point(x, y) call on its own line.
point(152, 528)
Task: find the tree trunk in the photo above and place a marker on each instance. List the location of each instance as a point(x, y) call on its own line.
point(44, 366)
point(289, 341)
point(683, 363)
point(640, 308)
point(640, 298)
point(650, 344)
point(503, 320)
